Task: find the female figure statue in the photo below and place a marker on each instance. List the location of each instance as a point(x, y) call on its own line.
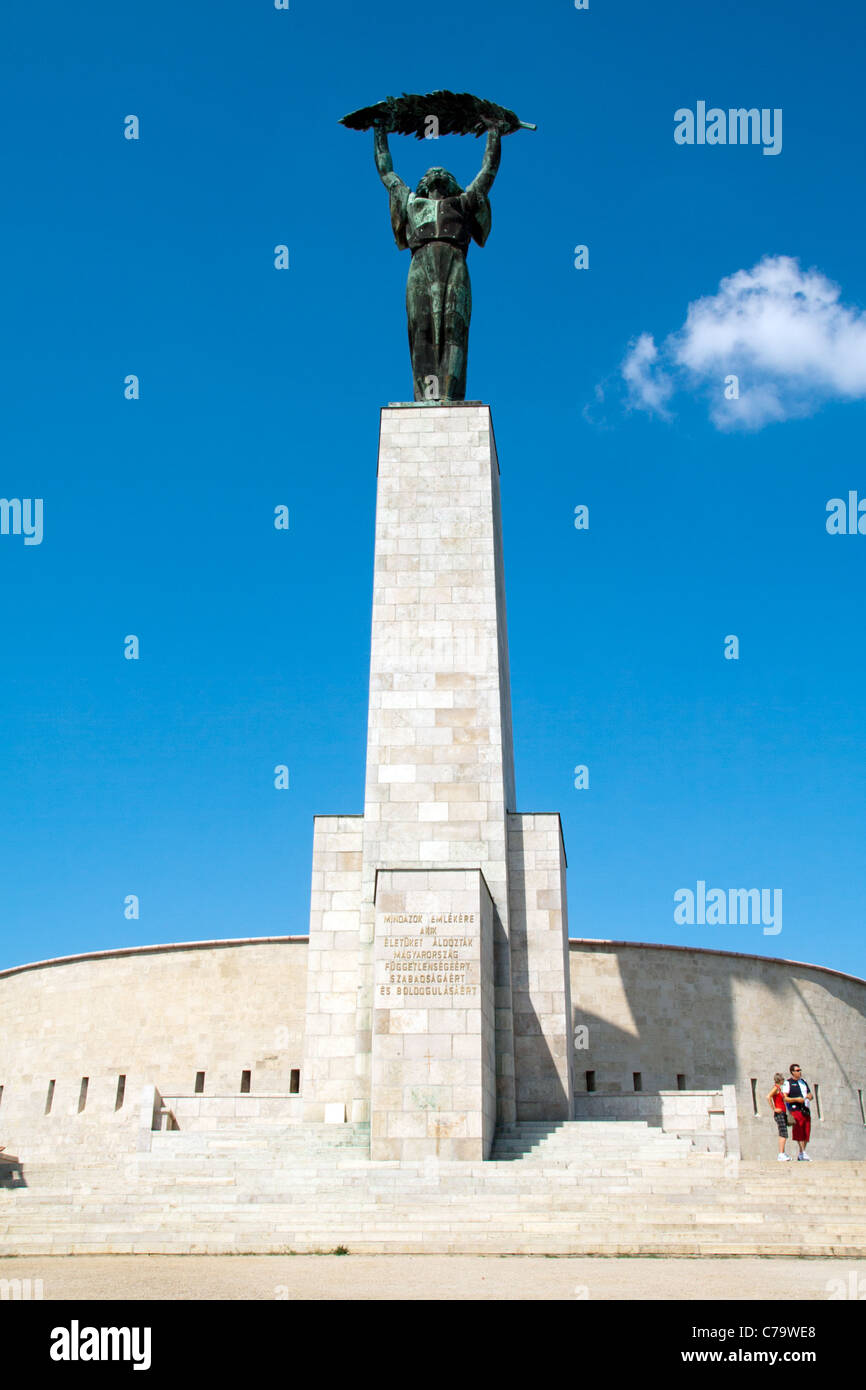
point(436, 223)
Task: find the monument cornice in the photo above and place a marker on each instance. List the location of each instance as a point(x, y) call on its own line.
point(152, 950)
point(596, 941)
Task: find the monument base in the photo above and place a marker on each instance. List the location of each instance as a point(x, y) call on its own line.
point(434, 1052)
point(438, 1000)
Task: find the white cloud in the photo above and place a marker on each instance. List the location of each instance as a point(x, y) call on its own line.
point(782, 331)
point(649, 386)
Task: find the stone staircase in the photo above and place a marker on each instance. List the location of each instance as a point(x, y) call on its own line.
point(587, 1139)
point(579, 1188)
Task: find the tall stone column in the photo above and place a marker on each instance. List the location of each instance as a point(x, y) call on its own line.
point(440, 770)
point(437, 993)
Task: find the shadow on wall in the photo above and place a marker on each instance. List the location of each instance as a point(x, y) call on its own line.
point(653, 1019)
point(665, 1017)
point(539, 1090)
point(835, 988)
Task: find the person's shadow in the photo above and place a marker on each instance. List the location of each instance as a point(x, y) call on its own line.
point(11, 1171)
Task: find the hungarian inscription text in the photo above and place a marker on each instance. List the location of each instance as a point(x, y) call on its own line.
point(425, 955)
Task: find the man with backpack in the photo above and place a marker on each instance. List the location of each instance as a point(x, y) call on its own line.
point(797, 1096)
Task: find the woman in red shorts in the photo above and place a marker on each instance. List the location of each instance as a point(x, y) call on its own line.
point(776, 1098)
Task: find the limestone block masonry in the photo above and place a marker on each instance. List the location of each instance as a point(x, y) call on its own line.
point(163, 1014)
point(332, 969)
point(439, 801)
point(434, 1054)
point(160, 1015)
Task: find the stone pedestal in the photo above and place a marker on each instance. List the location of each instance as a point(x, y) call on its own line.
point(440, 836)
point(440, 770)
point(434, 1052)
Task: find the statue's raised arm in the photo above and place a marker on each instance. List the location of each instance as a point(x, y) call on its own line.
point(483, 181)
point(384, 162)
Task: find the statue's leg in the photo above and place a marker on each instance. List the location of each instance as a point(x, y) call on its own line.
point(458, 312)
point(422, 334)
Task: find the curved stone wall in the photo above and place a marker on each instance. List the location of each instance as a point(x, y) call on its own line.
point(154, 1015)
point(716, 1017)
point(160, 1015)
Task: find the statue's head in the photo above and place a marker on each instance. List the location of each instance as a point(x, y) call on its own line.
point(438, 183)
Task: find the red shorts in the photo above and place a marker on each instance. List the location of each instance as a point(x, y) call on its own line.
point(802, 1125)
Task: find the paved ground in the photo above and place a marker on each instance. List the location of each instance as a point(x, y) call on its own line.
point(432, 1277)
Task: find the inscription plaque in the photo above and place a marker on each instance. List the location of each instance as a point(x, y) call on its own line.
point(425, 955)
point(433, 1082)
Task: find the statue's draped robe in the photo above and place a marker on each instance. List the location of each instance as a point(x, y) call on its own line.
point(438, 293)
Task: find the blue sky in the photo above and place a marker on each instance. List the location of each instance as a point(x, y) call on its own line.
point(261, 387)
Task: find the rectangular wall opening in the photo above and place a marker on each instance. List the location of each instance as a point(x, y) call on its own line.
point(49, 1099)
point(245, 1082)
point(753, 1081)
point(590, 1080)
point(121, 1092)
point(199, 1083)
point(681, 1081)
point(637, 1080)
point(295, 1082)
point(82, 1093)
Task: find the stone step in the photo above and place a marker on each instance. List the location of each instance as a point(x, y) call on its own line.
point(419, 1203)
point(431, 1201)
point(233, 1199)
point(427, 1213)
point(551, 1186)
point(573, 1188)
point(683, 1176)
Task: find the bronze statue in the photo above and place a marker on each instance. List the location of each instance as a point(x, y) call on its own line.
point(437, 223)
